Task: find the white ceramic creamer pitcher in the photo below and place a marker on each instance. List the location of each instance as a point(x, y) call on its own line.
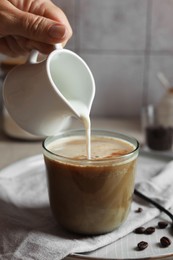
point(41, 96)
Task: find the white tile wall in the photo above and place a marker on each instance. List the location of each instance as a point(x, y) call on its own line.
point(119, 83)
point(162, 25)
point(112, 25)
point(125, 43)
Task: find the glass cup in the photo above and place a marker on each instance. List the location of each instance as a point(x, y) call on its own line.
point(90, 196)
point(158, 135)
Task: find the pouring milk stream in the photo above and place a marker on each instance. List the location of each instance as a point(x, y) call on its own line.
point(41, 95)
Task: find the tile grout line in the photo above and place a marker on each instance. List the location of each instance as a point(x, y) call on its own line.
point(147, 53)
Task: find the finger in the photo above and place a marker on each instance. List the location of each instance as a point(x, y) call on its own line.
point(9, 46)
point(4, 49)
point(14, 45)
point(41, 47)
point(53, 12)
point(48, 9)
point(22, 43)
point(34, 27)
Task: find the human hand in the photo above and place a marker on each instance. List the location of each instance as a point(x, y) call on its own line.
point(31, 24)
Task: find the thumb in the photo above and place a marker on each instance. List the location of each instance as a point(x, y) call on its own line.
point(34, 27)
point(39, 28)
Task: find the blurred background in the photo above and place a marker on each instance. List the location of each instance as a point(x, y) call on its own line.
point(125, 43)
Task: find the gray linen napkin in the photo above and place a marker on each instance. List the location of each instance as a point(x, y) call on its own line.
point(28, 230)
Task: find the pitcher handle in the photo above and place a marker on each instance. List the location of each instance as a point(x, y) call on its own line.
point(32, 59)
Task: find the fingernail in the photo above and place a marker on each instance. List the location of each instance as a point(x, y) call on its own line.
point(57, 31)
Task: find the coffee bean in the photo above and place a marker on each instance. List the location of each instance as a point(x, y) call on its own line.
point(162, 224)
point(139, 210)
point(139, 230)
point(142, 245)
point(165, 241)
point(149, 230)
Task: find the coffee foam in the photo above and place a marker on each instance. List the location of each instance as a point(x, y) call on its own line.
point(74, 147)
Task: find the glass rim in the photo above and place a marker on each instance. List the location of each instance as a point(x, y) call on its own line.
point(94, 132)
